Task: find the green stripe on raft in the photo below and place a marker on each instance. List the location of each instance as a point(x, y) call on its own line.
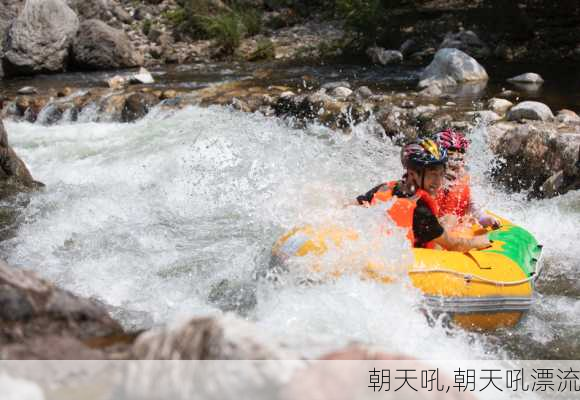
point(518, 245)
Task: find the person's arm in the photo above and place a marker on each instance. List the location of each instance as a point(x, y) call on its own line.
point(426, 228)
point(455, 243)
point(365, 199)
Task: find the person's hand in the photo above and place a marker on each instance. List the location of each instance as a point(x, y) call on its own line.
point(482, 242)
point(488, 220)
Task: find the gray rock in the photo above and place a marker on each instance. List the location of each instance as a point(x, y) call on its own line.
point(334, 85)
point(363, 92)
point(554, 185)
point(14, 304)
point(500, 106)
point(14, 176)
point(122, 15)
point(40, 37)
point(341, 92)
point(451, 67)
point(142, 77)
point(433, 90)
point(92, 9)
point(32, 307)
point(98, 46)
point(485, 116)
point(50, 348)
point(27, 90)
point(533, 110)
point(529, 77)
point(409, 47)
point(567, 116)
point(220, 338)
point(381, 56)
point(137, 106)
point(468, 42)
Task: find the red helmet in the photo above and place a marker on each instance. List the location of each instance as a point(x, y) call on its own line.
point(452, 140)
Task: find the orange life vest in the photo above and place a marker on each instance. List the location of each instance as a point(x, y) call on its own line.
point(403, 208)
point(455, 200)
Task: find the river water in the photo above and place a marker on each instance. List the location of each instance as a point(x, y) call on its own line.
point(151, 217)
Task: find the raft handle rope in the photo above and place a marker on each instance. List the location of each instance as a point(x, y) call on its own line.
point(471, 277)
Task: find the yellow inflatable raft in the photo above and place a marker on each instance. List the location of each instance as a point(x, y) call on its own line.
point(484, 290)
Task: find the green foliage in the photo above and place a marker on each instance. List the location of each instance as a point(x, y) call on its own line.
point(265, 51)
point(146, 28)
point(252, 20)
point(227, 29)
point(362, 17)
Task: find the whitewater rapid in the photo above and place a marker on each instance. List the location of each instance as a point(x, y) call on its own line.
point(150, 217)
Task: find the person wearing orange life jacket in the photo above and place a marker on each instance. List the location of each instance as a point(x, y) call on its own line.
point(414, 206)
point(454, 198)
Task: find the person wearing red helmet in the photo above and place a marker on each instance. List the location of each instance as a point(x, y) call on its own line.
point(454, 198)
point(414, 206)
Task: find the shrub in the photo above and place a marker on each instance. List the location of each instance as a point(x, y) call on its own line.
point(362, 17)
point(227, 29)
point(265, 51)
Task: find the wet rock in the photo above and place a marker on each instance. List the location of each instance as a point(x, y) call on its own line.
point(117, 82)
point(219, 338)
point(508, 94)
point(111, 107)
point(27, 90)
point(51, 348)
point(535, 151)
point(433, 90)
point(554, 185)
point(530, 110)
point(64, 92)
point(500, 106)
point(363, 92)
point(468, 42)
point(334, 85)
point(142, 77)
point(98, 46)
point(409, 47)
point(39, 39)
point(485, 116)
point(381, 56)
point(529, 77)
point(14, 176)
point(137, 106)
point(451, 67)
point(234, 296)
point(168, 94)
point(36, 308)
point(567, 116)
point(341, 92)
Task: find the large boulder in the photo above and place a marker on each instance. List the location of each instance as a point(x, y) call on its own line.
point(9, 10)
point(98, 46)
point(92, 9)
point(40, 37)
point(528, 77)
point(14, 176)
point(31, 307)
point(537, 155)
point(451, 67)
point(533, 110)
